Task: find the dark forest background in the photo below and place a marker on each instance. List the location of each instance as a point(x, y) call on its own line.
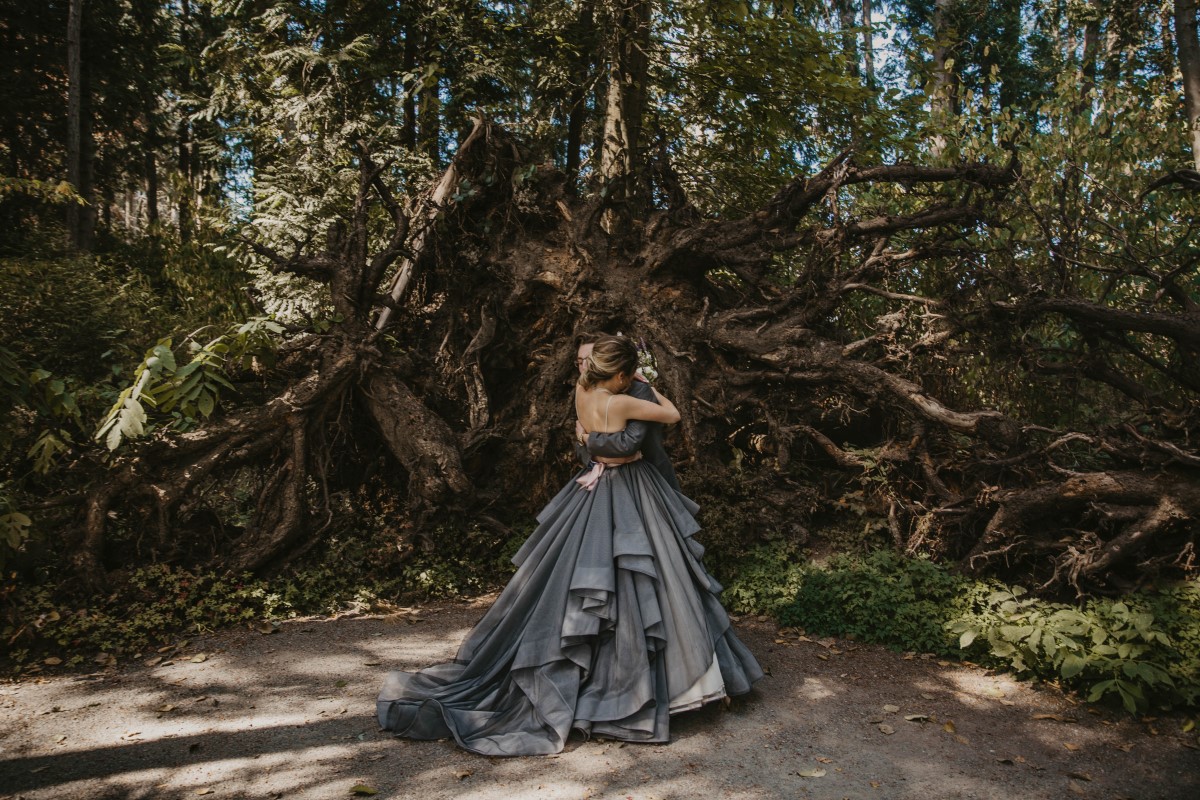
point(290, 293)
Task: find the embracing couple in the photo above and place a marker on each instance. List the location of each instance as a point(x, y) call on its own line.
point(611, 623)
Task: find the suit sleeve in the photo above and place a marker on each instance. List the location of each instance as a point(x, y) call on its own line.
point(581, 452)
point(625, 442)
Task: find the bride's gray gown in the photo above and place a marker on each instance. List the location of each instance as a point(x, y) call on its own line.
point(610, 625)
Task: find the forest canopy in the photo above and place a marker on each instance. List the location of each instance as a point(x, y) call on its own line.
point(277, 276)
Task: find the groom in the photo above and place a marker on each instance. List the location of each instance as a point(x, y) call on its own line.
point(638, 434)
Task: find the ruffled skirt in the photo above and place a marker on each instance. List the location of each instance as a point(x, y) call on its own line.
point(610, 624)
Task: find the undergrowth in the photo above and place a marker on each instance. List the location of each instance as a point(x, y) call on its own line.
point(1142, 650)
point(48, 625)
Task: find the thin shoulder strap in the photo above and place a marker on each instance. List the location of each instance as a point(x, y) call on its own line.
point(606, 405)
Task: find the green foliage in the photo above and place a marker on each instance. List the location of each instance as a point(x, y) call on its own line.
point(70, 314)
point(52, 192)
point(14, 527)
point(193, 390)
point(157, 604)
point(764, 580)
point(1108, 647)
point(882, 598)
point(1142, 650)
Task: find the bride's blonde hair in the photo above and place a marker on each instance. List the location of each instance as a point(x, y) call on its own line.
point(611, 356)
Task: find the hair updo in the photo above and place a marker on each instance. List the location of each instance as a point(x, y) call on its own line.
point(611, 356)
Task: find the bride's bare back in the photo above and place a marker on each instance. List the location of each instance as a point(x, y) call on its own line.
point(603, 411)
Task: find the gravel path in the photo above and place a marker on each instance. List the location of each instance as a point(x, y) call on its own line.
point(242, 714)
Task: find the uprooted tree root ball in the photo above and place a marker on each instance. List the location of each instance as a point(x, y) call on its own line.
point(453, 344)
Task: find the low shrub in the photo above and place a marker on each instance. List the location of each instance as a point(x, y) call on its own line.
point(1143, 649)
point(763, 581)
point(883, 598)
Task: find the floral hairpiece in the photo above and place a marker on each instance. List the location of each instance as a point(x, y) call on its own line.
point(646, 363)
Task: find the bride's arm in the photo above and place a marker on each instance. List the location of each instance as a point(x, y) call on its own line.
point(662, 411)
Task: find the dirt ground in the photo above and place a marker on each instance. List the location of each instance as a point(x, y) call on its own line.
point(243, 714)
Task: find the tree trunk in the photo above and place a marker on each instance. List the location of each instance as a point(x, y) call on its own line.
point(943, 95)
point(868, 44)
point(409, 135)
point(625, 96)
point(1091, 49)
point(1188, 44)
point(183, 135)
point(847, 21)
point(76, 214)
point(579, 91)
point(151, 187)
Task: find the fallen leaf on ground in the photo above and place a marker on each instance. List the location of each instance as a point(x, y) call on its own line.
point(1124, 746)
point(205, 790)
point(943, 663)
point(1070, 746)
point(199, 658)
point(1055, 717)
point(362, 790)
point(824, 760)
point(1083, 776)
point(166, 649)
point(150, 662)
point(165, 708)
point(961, 739)
point(59, 739)
point(875, 784)
point(463, 773)
point(52, 661)
point(891, 709)
point(887, 729)
point(816, 772)
point(917, 717)
point(340, 684)
point(949, 726)
point(927, 695)
point(1188, 725)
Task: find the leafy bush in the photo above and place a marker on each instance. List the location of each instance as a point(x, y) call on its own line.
point(1108, 647)
point(883, 598)
point(763, 581)
point(1142, 650)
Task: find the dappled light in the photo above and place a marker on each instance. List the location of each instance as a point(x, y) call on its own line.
point(291, 714)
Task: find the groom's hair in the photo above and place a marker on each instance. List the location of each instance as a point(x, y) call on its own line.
point(587, 337)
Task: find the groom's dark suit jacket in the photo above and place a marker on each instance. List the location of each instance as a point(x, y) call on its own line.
point(638, 435)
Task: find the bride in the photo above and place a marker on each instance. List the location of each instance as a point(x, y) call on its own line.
point(610, 624)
